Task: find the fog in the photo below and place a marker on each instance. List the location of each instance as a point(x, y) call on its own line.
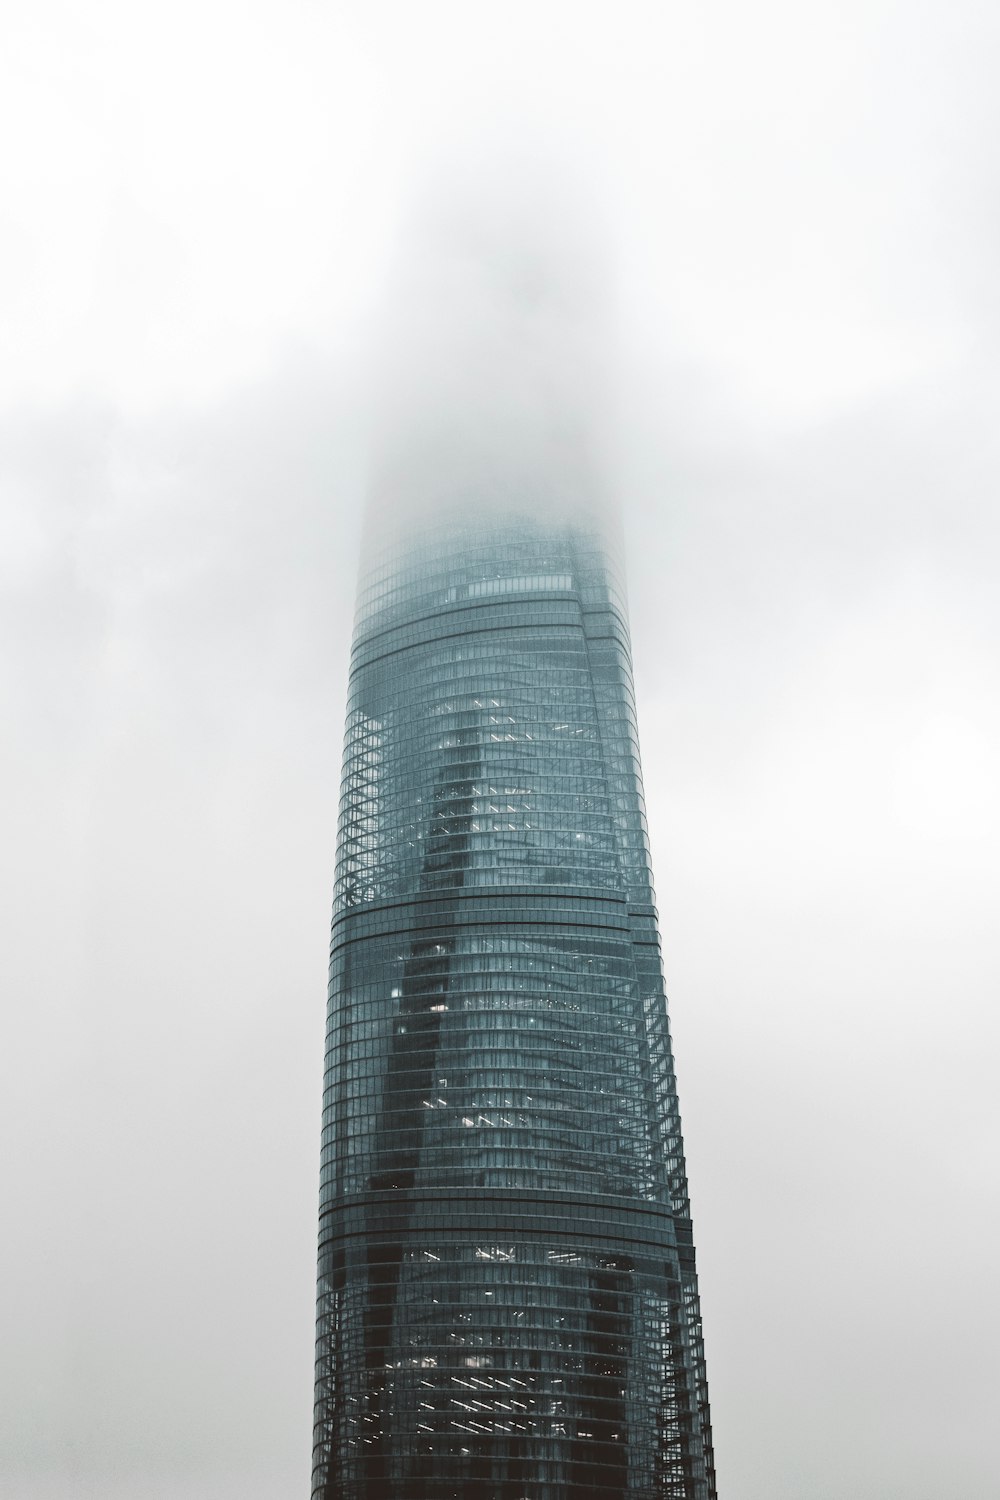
point(490, 382)
point(774, 325)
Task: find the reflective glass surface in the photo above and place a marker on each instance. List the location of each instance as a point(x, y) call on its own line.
point(508, 1307)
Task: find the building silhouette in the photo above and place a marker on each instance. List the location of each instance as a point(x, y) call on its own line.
point(508, 1305)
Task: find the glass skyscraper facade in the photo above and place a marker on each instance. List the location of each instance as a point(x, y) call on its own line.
point(508, 1305)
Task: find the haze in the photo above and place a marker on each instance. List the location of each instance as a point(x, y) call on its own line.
point(201, 209)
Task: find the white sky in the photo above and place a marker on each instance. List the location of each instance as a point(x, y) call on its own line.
point(198, 206)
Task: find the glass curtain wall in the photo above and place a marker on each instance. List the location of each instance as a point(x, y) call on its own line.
point(508, 1307)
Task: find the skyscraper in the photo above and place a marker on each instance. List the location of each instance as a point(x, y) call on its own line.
point(508, 1306)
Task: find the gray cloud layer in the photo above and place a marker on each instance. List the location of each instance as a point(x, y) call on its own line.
point(804, 385)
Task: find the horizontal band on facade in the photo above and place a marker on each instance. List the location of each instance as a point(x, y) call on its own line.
point(526, 606)
point(442, 924)
point(589, 1478)
point(513, 913)
point(362, 657)
point(487, 899)
point(570, 1257)
point(527, 599)
point(454, 1255)
point(490, 895)
point(548, 1212)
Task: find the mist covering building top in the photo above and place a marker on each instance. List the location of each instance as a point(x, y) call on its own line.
point(508, 1306)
